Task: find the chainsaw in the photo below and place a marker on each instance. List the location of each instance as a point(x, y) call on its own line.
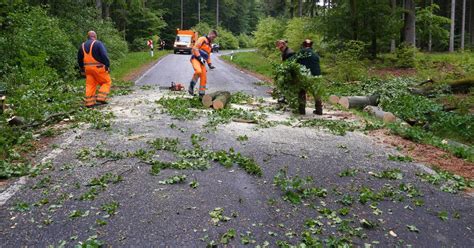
point(176, 86)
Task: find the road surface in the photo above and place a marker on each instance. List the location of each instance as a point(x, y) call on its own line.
point(79, 197)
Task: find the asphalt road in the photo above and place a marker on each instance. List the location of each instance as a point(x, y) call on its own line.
point(178, 68)
point(150, 214)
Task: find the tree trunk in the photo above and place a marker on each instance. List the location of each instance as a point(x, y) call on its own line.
point(208, 98)
point(355, 24)
point(392, 42)
point(217, 14)
point(430, 36)
point(358, 101)
point(106, 11)
point(463, 24)
point(300, 8)
point(387, 117)
point(98, 5)
point(221, 100)
point(453, 20)
point(471, 21)
point(410, 20)
point(182, 14)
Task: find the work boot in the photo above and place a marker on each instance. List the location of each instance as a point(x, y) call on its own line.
point(318, 107)
point(191, 87)
point(201, 96)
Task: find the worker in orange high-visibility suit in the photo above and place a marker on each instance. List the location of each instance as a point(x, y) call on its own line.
point(201, 55)
point(94, 64)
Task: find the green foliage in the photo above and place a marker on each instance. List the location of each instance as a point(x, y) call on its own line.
point(295, 188)
point(447, 181)
point(174, 180)
point(428, 23)
point(406, 56)
point(202, 28)
point(245, 41)
point(139, 44)
point(269, 30)
point(334, 126)
point(299, 29)
point(226, 39)
point(392, 174)
point(144, 22)
point(181, 108)
point(347, 64)
point(290, 78)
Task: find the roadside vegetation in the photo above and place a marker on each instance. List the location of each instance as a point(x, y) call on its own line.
point(41, 82)
point(438, 116)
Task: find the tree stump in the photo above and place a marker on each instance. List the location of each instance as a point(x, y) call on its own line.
point(358, 101)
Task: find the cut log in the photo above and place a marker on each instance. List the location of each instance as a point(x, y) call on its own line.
point(221, 100)
point(208, 98)
point(358, 101)
point(334, 99)
point(386, 117)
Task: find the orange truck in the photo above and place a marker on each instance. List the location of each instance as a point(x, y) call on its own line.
point(184, 41)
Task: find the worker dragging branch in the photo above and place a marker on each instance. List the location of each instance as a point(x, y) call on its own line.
point(201, 55)
point(94, 64)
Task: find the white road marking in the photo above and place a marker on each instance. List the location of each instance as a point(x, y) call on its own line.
point(11, 191)
point(153, 67)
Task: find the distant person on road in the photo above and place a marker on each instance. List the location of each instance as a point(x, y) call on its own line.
point(95, 65)
point(308, 58)
point(163, 44)
point(201, 55)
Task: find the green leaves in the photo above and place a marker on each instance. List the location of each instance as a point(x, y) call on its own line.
point(226, 237)
point(217, 215)
point(447, 181)
point(166, 144)
point(391, 174)
point(412, 228)
point(174, 180)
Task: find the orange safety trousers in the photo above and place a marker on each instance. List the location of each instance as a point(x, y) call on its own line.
point(200, 72)
point(96, 75)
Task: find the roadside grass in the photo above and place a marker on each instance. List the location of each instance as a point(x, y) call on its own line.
point(252, 61)
point(16, 141)
point(133, 61)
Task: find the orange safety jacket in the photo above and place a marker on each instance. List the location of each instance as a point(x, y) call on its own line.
point(202, 48)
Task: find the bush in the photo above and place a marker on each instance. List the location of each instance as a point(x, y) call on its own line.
point(348, 64)
point(269, 30)
point(226, 39)
point(202, 28)
point(245, 41)
point(33, 34)
point(406, 56)
point(139, 44)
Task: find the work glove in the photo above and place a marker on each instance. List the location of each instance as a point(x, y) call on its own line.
point(83, 72)
point(211, 66)
point(107, 69)
point(201, 60)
